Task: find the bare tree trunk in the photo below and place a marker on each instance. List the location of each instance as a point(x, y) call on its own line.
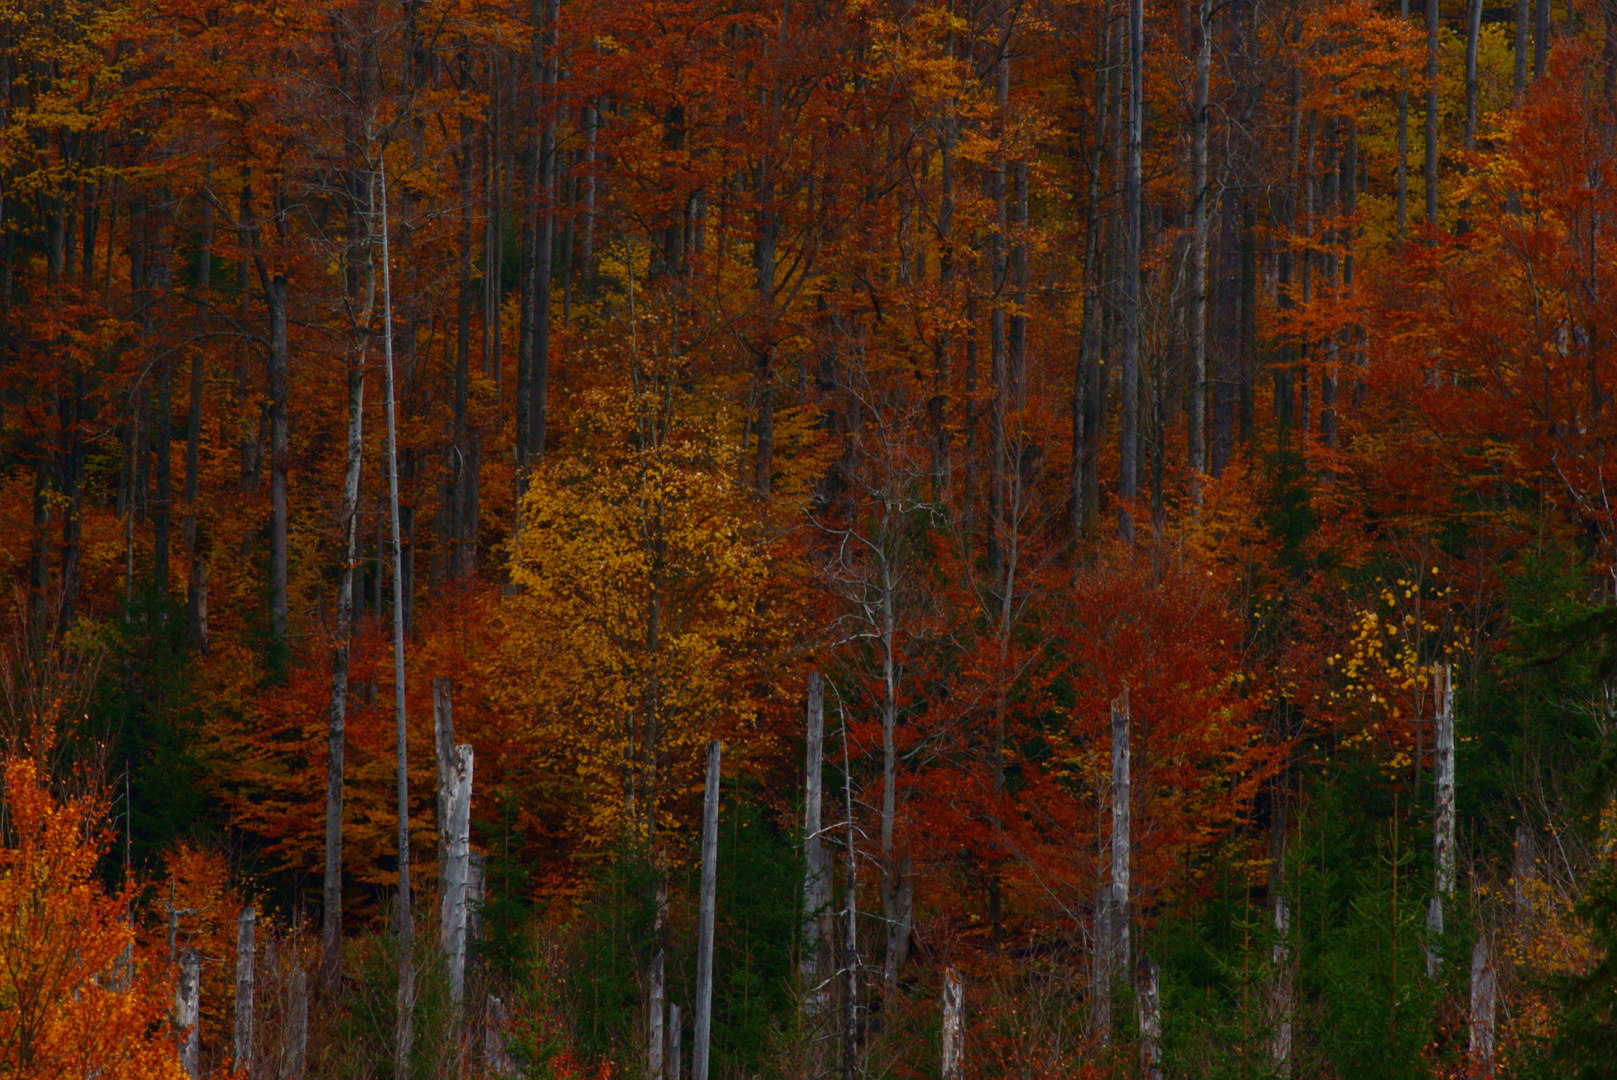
point(1148, 1002)
point(816, 880)
point(1541, 39)
point(1198, 250)
point(1281, 990)
point(1473, 30)
point(850, 941)
point(242, 1058)
point(1518, 81)
point(1088, 394)
point(297, 1022)
point(405, 1005)
point(954, 1025)
point(188, 1011)
point(1118, 908)
point(457, 865)
point(497, 1056)
point(1524, 869)
point(1128, 460)
point(443, 741)
point(655, 1005)
point(704, 946)
point(275, 295)
point(1401, 213)
point(1483, 985)
point(1432, 71)
point(675, 1024)
point(331, 915)
point(1443, 811)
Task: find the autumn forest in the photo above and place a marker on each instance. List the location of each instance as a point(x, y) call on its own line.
point(808, 539)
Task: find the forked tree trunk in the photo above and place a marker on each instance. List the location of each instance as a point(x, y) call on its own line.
point(954, 1025)
point(242, 1057)
point(704, 945)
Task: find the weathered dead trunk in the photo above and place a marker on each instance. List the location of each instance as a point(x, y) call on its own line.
point(675, 1025)
point(954, 1026)
point(1483, 997)
point(188, 1011)
point(1442, 813)
point(816, 878)
point(1118, 908)
point(337, 724)
point(708, 898)
point(1129, 438)
point(242, 1057)
point(297, 1026)
point(1148, 1006)
point(498, 1057)
point(655, 1006)
point(453, 899)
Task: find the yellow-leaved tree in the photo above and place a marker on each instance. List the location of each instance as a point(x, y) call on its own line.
point(75, 1000)
point(640, 626)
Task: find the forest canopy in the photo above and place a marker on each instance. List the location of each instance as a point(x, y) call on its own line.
point(881, 539)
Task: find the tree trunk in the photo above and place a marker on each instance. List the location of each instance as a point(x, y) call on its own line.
point(1149, 1005)
point(1118, 908)
point(1198, 247)
point(1518, 81)
point(297, 1023)
point(188, 1011)
point(1401, 211)
point(539, 377)
point(1473, 30)
point(1128, 461)
point(1432, 70)
point(654, 1019)
point(242, 1058)
point(1524, 870)
point(275, 297)
point(443, 738)
point(454, 889)
point(954, 1026)
point(816, 879)
point(1541, 39)
point(1483, 985)
point(1088, 393)
point(850, 939)
point(708, 897)
point(405, 1004)
point(1443, 813)
point(331, 916)
point(675, 1024)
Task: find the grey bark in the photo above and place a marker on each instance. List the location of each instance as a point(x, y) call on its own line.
point(1118, 907)
point(297, 1022)
point(954, 1026)
point(1196, 420)
point(1432, 24)
point(404, 1033)
point(243, 1051)
point(1484, 984)
point(188, 1011)
point(1401, 183)
point(1518, 81)
point(1148, 1005)
point(1281, 990)
point(1129, 437)
point(1473, 30)
point(331, 917)
point(275, 297)
point(1442, 813)
point(1524, 862)
point(675, 1030)
point(704, 946)
point(443, 741)
point(498, 1057)
point(850, 942)
point(457, 867)
point(1541, 38)
point(654, 1019)
point(816, 878)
